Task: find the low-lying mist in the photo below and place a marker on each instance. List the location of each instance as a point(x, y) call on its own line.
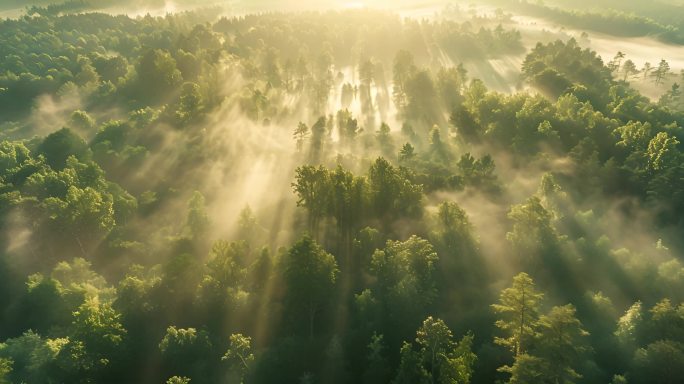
point(262, 191)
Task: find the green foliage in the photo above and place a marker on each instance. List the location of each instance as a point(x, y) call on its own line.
point(557, 67)
point(239, 354)
point(532, 230)
point(58, 146)
point(561, 342)
point(198, 220)
point(5, 370)
point(309, 274)
point(157, 75)
point(391, 193)
point(519, 310)
point(158, 108)
point(185, 351)
point(662, 359)
point(178, 380)
point(438, 359)
point(27, 358)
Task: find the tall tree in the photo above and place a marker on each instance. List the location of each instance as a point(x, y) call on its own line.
point(439, 359)
point(239, 355)
point(309, 274)
point(391, 195)
point(406, 286)
point(347, 202)
point(629, 69)
point(562, 342)
point(300, 134)
point(403, 70)
point(518, 310)
point(157, 76)
point(661, 72)
point(198, 219)
point(646, 70)
point(312, 186)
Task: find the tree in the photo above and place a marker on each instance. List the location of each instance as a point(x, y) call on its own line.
point(198, 219)
point(190, 104)
point(87, 75)
point(366, 77)
point(461, 268)
point(5, 370)
point(312, 186)
point(347, 126)
point(518, 310)
point(434, 339)
point(528, 369)
point(405, 285)
point(227, 262)
point(309, 275)
point(157, 76)
point(629, 69)
point(616, 63)
point(300, 134)
point(450, 83)
point(390, 193)
point(407, 153)
point(663, 152)
point(562, 343)
point(447, 361)
point(186, 351)
point(319, 132)
point(28, 358)
point(377, 367)
point(347, 95)
point(646, 70)
point(439, 359)
point(271, 67)
point(464, 122)
point(382, 135)
point(81, 122)
point(86, 215)
point(403, 70)
point(58, 146)
point(256, 104)
point(111, 68)
point(95, 342)
point(672, 98)
point(663, 359)
point(411, 370)
point(178, 380)
point(422, 99)
point(239, 355)
point(661, 72)
point(347, 201)
point(532, 230)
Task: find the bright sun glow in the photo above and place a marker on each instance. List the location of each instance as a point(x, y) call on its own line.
point(342, 191)
point(354, 5)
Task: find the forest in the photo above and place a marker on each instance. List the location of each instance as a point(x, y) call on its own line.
point(391, 192)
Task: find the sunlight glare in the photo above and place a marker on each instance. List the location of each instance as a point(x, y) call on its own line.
point(354, 5)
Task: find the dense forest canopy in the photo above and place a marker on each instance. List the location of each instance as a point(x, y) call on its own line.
point(341, 192)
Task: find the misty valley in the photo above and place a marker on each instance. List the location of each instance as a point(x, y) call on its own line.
point(391, 192)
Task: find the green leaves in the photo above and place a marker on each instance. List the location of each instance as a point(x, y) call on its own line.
point(546, 348)
point(309, 274)
point(405, 270)
point(198, 219)
point(386, 192)
point(239, 355)
point(519, 310)
point(439, 359)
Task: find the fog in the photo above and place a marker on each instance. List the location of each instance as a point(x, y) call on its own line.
point(284, 191)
